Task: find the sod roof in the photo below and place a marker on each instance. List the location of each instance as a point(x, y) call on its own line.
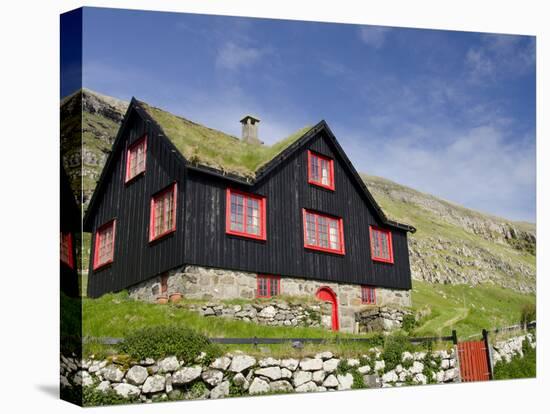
point(212, 148)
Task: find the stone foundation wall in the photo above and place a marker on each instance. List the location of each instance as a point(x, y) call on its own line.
point(507, 349)
point(196, 282)
point(241, 374)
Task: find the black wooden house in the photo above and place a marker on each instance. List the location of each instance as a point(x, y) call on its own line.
point(175, 193)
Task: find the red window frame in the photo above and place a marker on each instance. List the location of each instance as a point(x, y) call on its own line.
point(341, 250)
point(97, 242)
point(262, 209)
point(66, 242)
point(318, 158)
point(379, 233)
point(133, 147)
point(270, 282)
point(368, 295)
point(168, 227)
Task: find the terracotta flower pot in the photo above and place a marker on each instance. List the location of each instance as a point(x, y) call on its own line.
point(175, 297)
point(161, 300)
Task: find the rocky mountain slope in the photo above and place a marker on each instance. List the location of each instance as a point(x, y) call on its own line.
point(453, 245)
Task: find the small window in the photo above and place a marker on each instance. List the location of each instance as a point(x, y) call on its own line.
point(268, 286)
point(135, 158)
point(320, 170)
point(322, 232)
point(163, 213)
point(381, 245)
point(66, 253)
point(245, 215)
point(368, 295)
point(104, 244)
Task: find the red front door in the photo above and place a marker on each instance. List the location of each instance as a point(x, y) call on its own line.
point(326, 294)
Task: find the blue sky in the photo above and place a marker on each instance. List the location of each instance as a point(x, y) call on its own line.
point(448, 113)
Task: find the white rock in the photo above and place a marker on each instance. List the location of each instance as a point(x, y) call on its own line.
point(319, 376)
point(324, 355)
point(137, 375)
point(290, 364)
point(399, 368)
point(268, 312)
point(112, 373)
point(452, 362)
point(169, 387)
point(353, 362)
point(445, 364)
point(345, 381)
point(64, 382)
point(169, 364)
point(417, 367)
point(212, 377)
point(451, 374)
point(269, 362)
point(419, 356)
point(258, 386)
point(311, 364)
point(281, 386)
point(379, 365)
point(186, 375)
point(331, 365)
point(390, 376)
point(154, 383)
point(83, 378)
point(126, 390)
point(420, 379)
point(273, 373)
point(103, 386)
point(220, 391)
point(440, 376)
point(240, 381)
point(406, 356)
point(307, 387)
point(403, 376)
point(365, 369)
point(301, 377)
point(221, 363)
point(241, 362)
point(286, 373)
point(330, 382)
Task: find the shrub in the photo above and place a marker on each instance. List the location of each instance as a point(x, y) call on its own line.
point(528, 313)
point(92, 397)
point(409, 323)
point(161, 341)
point(518, 367)
point(394, 346)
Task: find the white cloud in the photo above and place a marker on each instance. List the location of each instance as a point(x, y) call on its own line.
point(232, 56)
point(374, 36)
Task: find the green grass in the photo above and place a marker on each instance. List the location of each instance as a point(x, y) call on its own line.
point(206, 146)
point(466, 309)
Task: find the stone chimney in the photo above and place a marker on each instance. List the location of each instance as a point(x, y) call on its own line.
point(250, 130)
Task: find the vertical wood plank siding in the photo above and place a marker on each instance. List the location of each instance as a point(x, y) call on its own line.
point(135, 259)
point(283, 253)
point(201, 216)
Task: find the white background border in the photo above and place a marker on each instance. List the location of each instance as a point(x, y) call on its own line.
point(29, 159)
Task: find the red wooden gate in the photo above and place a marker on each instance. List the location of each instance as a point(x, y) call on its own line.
point(474, 361)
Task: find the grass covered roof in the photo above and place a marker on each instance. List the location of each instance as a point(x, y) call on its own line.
point(212, 148)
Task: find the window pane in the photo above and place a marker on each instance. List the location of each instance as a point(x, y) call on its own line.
point(237, 212)
point(253, 216)
point(310, 229)
point(334, 235)
point(274, 287)
point(322, 225)
point(324, 172)
point(262, 286)
point(313, 168)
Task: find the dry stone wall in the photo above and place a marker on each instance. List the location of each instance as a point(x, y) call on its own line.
point(236, 374)
point(507, 349)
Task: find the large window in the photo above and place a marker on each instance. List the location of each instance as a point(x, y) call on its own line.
point(322, 232)
point(163, 213)
point(66, 253)
point(320, 170)
point(245, 215)
point(381, 245)
point(368, 295)
point(135, 158)
point(104, 244)
point(268, 286)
